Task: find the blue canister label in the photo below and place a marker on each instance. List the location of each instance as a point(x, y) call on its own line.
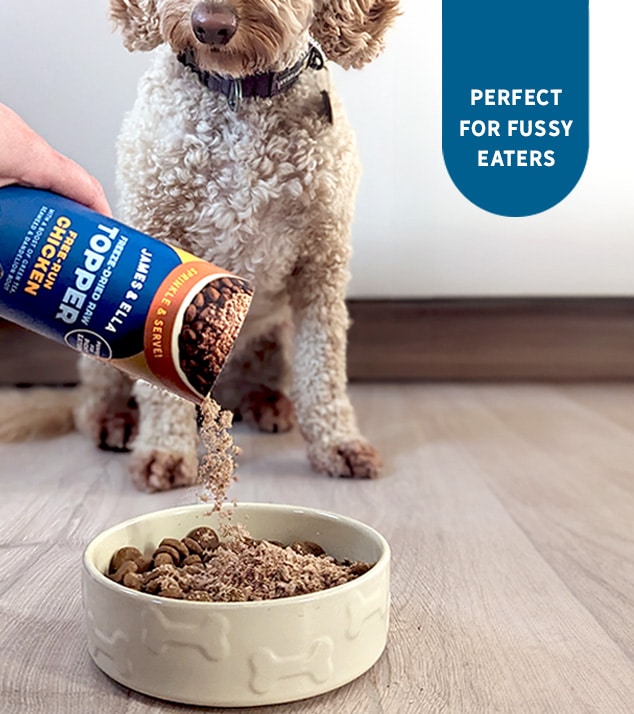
point(90, 281)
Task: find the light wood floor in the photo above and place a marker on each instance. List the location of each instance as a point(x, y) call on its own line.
point(509, 509)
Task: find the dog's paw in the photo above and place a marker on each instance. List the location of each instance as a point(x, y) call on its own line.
point(112, 427)
point(267, 409)
point(350, 459)
point(158, 470)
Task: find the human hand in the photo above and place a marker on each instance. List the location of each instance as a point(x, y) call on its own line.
point(26, 159)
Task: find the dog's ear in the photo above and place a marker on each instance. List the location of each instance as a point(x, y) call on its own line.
point(351, 32)
point(138, 21)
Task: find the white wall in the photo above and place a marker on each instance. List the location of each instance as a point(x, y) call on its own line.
point(68, 75)
point(414, 234)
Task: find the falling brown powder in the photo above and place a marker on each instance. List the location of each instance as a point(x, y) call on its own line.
point(217, 468)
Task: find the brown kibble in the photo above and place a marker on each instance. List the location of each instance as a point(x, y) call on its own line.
point(124, 554)
point(176, 544)
point(144, 564)
point(163, 558)
point(193, 546)
point(190, 335)
point(205, 536)
point(190, 313)
point(172, 552)
point(128, 567)
point(208, 313)
point(306, 547)
point(192, 559)
point(133, 580)
point(359, 568)
point(211, 293)
point(199, 300)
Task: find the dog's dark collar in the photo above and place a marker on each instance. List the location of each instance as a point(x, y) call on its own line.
point(263, 85)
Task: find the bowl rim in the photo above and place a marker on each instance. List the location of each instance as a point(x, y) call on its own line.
point(119, 590)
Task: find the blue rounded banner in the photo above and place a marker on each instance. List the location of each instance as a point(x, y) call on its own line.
point(515, 101)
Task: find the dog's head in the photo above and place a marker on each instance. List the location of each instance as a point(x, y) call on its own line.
point(240, 37)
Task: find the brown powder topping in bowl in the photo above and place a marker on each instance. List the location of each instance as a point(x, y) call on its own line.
point(238, 569)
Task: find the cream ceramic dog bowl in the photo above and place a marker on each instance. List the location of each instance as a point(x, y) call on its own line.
point(239, 654)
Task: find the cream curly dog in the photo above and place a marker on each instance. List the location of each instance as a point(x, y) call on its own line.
point(258, 176)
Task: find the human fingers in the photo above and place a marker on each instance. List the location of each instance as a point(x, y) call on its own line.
point(56, 172)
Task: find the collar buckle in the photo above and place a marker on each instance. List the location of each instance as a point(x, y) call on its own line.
point(235, 95)
point(316, 57)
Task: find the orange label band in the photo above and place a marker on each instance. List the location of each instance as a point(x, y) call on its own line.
point(164, 322)
point(180, 292)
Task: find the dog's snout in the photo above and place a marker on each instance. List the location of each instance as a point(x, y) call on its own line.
point(214, 23)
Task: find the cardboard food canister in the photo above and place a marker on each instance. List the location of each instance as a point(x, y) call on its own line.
point(115, 294)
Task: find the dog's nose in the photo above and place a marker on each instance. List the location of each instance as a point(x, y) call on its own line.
point(214, 23)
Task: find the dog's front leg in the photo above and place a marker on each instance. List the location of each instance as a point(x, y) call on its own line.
point(324, 412)
point(106, 412)
point(164, 452)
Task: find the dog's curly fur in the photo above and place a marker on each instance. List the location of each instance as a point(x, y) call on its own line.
point(266, 192)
